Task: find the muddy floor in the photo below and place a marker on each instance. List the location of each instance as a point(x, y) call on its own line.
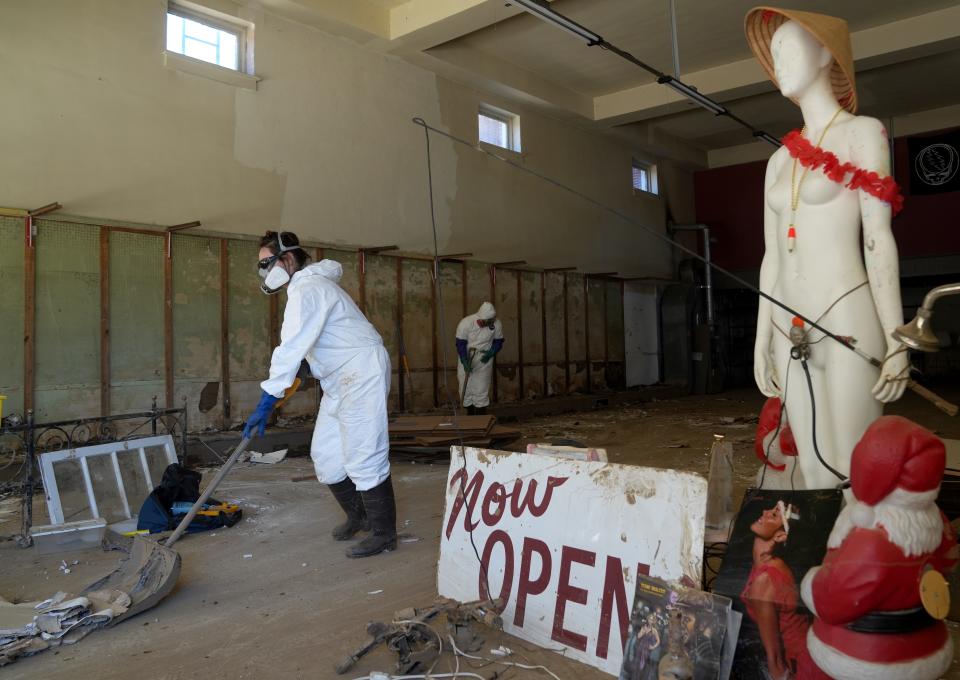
point(275, 597)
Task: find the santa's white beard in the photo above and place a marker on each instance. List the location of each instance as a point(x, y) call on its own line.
point(912, 521)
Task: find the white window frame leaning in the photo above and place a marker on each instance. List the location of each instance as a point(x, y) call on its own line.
point(137, 446)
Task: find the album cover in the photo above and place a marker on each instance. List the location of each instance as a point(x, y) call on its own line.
point(675, 631)
point(777, 537)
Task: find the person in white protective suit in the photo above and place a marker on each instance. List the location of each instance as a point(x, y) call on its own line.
point(345, 353)
point(479, 338)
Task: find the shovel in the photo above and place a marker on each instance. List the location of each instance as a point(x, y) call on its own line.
point(212, 486)
point(466, 376)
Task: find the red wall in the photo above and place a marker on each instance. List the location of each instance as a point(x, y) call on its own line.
point(730, 201)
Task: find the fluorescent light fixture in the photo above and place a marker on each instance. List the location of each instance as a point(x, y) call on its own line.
point(760, 134)
point(542, 11)
point(692, 94)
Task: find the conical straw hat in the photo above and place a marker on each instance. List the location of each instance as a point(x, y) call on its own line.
point(762, 22)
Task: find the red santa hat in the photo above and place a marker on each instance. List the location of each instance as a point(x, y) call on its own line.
point(895, 453)
point(769, 418)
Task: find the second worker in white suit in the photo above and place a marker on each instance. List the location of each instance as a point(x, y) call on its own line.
point(479, 338)
point(350, 444)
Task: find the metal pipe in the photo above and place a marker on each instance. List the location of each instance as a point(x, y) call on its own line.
point(708, 284)
point(673, 34)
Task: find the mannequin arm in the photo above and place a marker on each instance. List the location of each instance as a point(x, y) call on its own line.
point(869, 151)
point(763, 368)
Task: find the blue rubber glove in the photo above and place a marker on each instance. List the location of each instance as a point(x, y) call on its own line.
point(257, 422)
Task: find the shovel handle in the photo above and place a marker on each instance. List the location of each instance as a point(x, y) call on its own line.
point(207, 492)
point(934, 398)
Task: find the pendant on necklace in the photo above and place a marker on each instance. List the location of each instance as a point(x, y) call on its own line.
point(791, 238)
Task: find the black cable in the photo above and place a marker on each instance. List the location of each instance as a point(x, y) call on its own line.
point(679, 246)
point(443, 345)
point(813, 416)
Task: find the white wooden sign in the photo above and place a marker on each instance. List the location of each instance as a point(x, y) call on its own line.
point(562, 542)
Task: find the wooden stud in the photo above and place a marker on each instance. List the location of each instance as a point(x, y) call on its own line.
point(623, 341)
point(606, 337)
point(492, 272)
point(29, 312)
point(543, 329)
point(362, 273)
point(401, 344)
point(463, 278)
point(225, 329)
point(104, 321)
point(433, 325)
point(566, 335)
point(520, 332)
point(168, 321)
point(586, 327)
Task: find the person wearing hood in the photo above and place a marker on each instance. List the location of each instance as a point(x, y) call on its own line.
point(479, 338)
point(350, 446)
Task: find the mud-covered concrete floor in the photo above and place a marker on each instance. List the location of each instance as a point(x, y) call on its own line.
point(275, 597)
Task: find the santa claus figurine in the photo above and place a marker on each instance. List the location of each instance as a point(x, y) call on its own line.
point(870, 622)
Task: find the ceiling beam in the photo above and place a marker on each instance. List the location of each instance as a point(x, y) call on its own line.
point(357, 20)
point(418, 25)
point(898, 41)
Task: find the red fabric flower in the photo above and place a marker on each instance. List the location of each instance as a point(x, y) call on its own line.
point(813, 157)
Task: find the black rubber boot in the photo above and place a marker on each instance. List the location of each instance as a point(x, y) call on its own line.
point(349, 499)
point(381, 510)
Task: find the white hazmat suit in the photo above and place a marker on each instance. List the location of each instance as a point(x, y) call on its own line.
point(479, 339)
point(346, 354)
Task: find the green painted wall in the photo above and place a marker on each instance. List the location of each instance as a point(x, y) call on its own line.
point(136, 321)
point(249, 329)
point(196, 328)
point(68, 279)
point(67, 321)
point(11, 311)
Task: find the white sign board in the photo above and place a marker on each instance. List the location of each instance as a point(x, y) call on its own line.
point(562, 542)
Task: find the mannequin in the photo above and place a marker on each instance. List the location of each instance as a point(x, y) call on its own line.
point(822, 272)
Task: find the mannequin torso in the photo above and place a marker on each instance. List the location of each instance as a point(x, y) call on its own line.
point(826, 276)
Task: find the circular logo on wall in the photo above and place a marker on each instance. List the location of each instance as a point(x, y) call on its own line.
point(937, 164)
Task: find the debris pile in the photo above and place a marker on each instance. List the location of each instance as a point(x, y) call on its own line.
point(411, 433)
point(31, 627)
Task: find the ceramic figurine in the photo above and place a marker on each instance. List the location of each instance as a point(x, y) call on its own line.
point(880, 596)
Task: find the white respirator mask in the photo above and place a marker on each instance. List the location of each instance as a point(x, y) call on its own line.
point(274, 279)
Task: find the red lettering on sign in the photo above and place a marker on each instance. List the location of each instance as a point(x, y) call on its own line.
point(517, 506)
point(570, 593)
point(472, 489)
point(495, 500)
point(497, 536)
point(526, 586)
point(614, 590)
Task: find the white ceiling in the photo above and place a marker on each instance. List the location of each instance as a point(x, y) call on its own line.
point(907, 52)
point(710, 33)
point(886, 92)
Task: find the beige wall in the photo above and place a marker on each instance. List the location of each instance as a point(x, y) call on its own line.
point(93, 119)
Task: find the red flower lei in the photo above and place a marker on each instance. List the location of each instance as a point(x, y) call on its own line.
point(813, 157)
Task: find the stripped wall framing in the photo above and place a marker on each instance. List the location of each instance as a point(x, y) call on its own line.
point(103, 318)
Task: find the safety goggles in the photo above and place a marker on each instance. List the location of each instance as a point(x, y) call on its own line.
point(265, 264)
